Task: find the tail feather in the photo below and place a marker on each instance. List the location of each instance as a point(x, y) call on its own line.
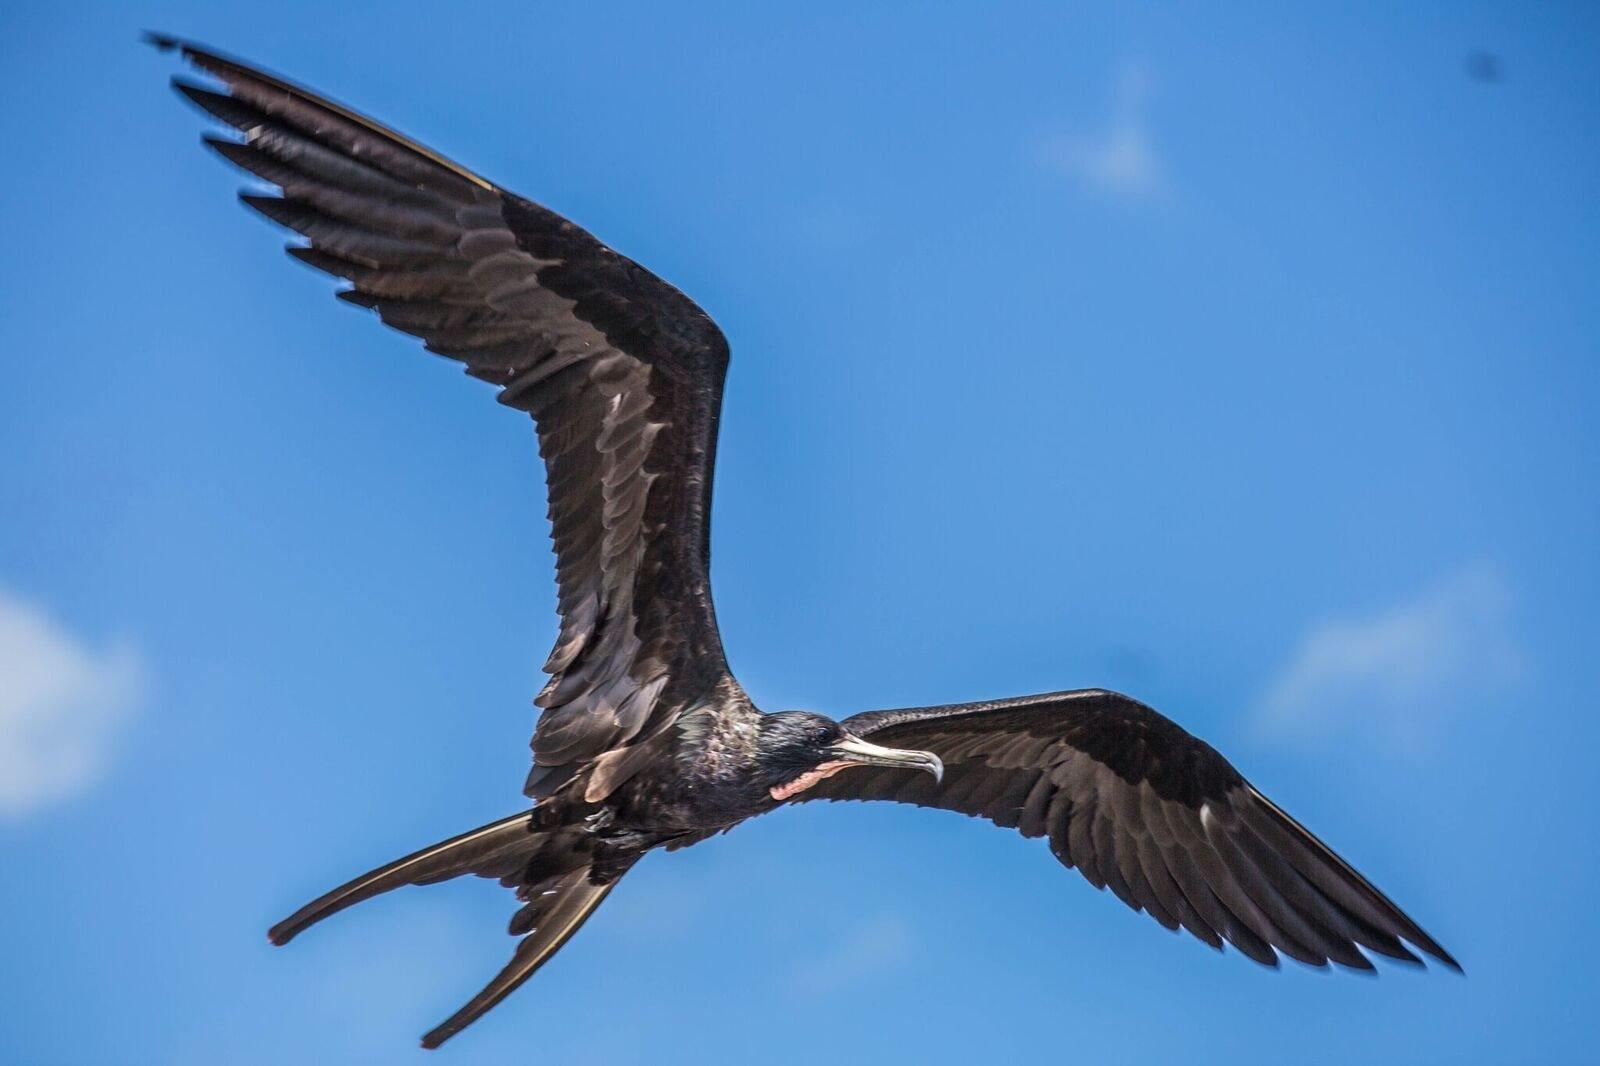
point(554, 915)
point(549, 865)
point(498, 849)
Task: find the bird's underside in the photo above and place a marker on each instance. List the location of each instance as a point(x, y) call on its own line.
point(645, 740)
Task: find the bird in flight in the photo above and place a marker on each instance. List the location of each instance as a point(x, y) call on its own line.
point(645, 740)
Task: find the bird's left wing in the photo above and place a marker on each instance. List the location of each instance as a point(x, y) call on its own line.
point(1142, 807)
point(621, 372)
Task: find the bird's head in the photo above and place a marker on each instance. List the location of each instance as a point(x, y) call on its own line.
point(797, 749)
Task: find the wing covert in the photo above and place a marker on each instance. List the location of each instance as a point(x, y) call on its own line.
point(621, 373)
point(1147, 810)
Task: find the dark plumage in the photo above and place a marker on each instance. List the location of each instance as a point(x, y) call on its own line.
point(645, 739)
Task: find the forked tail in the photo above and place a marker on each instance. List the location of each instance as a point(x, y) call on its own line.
point(499, 849)
point(549, 868)
point(557, 909)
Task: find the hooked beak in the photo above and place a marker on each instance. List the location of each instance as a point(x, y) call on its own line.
point(854, 750)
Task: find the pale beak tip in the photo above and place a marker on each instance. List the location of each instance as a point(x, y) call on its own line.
point(860, 752)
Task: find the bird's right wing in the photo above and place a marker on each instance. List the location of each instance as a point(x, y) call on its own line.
point(1139, 805)
point(621, 372)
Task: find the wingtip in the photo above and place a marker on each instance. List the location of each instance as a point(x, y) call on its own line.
point(1434, 950)
point(161, 42)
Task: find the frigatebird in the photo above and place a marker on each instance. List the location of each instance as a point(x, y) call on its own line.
point(645, 740)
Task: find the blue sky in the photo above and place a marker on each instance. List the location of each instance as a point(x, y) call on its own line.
point(1242, 360)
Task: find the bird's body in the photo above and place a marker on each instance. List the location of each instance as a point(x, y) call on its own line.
point(713, 751)
point(645, 739)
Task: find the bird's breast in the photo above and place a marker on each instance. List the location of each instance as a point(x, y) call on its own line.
point(708, 783)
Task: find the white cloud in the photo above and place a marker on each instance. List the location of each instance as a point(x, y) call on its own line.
point(60, 705)
point(1399, 671)
point(871, 948)
point(1120, 159)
